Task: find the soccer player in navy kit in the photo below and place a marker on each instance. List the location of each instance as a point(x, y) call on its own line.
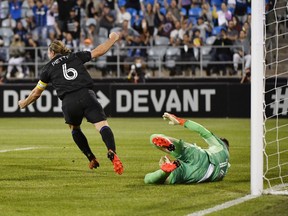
point(193, 164)
point(73, 84)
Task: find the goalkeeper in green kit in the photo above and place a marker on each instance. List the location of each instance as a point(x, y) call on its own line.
point(193, 164)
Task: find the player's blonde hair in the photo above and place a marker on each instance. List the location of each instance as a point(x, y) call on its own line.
point(58, 47)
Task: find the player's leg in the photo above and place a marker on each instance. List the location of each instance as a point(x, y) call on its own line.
point(170, 145)
point(73, 115)
point(82, 143)
point(95, 114)
point(108, 139)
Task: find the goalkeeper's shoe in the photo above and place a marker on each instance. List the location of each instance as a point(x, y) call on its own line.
point(118, 167)
point(173, 120)
point(163, 142)
point(170, 166)
point(93, 164)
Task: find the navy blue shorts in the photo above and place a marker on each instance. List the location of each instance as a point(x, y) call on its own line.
point(80, 104)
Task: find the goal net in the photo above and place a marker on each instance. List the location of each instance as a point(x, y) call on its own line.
point(274, 100)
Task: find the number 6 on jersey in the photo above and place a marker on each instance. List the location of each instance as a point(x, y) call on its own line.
point(69, 70)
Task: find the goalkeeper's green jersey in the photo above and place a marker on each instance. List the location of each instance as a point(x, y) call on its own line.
point(197, 164)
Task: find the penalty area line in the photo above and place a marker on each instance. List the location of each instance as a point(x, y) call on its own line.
point(19, 149)
point(224, 205)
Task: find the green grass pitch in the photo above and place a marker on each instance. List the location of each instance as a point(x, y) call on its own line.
point(54, 179)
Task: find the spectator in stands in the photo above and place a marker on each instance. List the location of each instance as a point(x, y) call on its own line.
point(174, 35)
point(158, 15)
point(231, 4)
point(15, 9)
point(78, 10)
point(64, 7)
point(90, 9)
point(241, 10)
point(130, 37)
point(242, 52)
point(146, 36)
point(91, 33)
point(107, 18)
point(206, 13)
point(204, 28)
point(186, 27)
point(137, 73)
point(52, 16)
point(167, 24)
point(187, 54)
point(51, 37)
point(137, 24)
point(197, 42)
point(20, 30)
point(31, 52)
point(222, 54)
point(40, 16)
point(3, 51)
point(186, 4)
point(125, 32)
point(70, 42)
point(246, 28)
point(149, 16)
point(86, 45)
point(236, 24)
point(132, 76)
point(232, 33)
point(122, 14)
point(174, 8)
point(72, 25)
point(223, 15)
point(30, 22)
point(16, 58)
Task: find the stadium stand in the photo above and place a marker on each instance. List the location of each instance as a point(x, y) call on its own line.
point(157, 52)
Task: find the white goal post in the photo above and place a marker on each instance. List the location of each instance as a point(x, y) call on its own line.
point(269, 129)
point(257, 89)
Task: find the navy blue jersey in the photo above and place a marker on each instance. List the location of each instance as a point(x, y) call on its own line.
point(67, 73)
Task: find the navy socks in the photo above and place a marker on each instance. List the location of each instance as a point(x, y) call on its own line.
point(81, 141)
point(108, 138)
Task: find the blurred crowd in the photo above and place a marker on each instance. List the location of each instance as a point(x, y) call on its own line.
point(84, 24)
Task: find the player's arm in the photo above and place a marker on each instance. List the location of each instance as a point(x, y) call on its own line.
point(33, 96)
point(104, 47)
point(191, 125)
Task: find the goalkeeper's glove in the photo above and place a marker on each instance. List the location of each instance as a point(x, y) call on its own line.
point(173, 120)
point(163, 160)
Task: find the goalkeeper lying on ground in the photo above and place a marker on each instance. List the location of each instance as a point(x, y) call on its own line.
point(193, 164)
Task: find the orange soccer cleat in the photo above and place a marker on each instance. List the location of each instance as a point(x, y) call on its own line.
point(162, 141)
point(93, 164)
point(118, 166)
point(170, 166)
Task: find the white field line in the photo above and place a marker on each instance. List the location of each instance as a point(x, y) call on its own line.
point(18, 149)
point(223, 205)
